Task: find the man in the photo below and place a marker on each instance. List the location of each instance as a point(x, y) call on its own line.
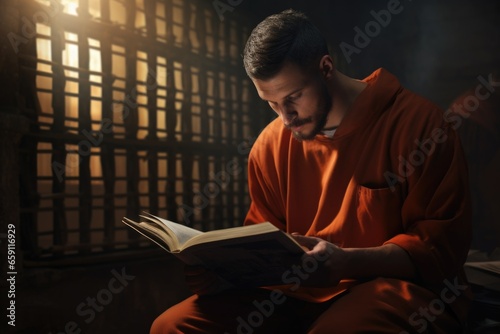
point(368, 177)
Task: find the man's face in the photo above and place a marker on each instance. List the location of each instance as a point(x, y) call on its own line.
point(300, 97)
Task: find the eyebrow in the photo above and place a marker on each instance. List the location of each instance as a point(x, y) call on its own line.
point(287, 96)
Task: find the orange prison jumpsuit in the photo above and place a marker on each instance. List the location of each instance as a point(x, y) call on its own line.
point(394, 172)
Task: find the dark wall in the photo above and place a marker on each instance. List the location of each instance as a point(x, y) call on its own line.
point(436, 48)
point(442, 50)
point(114, 297)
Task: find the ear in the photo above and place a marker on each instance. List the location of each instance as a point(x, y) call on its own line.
point(326, 66)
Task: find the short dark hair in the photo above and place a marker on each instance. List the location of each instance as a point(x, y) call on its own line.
point(286, 36)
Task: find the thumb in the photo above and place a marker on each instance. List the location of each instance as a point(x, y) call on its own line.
point(308, 242)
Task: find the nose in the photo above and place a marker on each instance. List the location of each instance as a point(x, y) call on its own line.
point(287, 114)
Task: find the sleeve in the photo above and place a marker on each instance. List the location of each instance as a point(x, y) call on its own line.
point(263, 186)
point(436, 212)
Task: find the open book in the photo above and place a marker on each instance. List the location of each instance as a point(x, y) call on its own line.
point(244, 256)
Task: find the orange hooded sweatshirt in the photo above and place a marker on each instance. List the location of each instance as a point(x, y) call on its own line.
point(394, 172)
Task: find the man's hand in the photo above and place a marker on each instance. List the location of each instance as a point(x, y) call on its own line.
point(202, 281)
point(328, 260)
point(335, 263)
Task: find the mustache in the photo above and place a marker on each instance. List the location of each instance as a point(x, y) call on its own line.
point(298, 122)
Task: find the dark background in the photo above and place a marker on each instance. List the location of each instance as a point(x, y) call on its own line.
point(436, 48)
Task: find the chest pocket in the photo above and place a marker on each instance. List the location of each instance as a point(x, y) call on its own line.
point(378, 212)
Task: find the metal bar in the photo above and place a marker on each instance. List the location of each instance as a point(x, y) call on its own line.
point(84, 124)
point(58, 162)
point(130, 120)
point(108, 152)
point(151, 92)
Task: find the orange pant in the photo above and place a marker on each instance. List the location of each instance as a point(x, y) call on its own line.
point(378, 306)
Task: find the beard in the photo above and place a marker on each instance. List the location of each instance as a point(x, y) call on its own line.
point(318, 120)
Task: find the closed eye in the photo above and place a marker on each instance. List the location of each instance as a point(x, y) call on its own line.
point(295, 97)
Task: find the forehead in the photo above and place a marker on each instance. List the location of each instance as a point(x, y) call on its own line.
point(288, 80)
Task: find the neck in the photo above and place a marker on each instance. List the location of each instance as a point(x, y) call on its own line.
point(344, 91)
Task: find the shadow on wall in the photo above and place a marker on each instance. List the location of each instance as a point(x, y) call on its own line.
point(476, 116)
point(436, 49)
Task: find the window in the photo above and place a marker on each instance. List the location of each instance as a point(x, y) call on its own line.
point(142, 105)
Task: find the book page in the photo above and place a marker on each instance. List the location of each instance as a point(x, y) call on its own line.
point(483, 269)
point(492, 267)
point(181, 232)
point(152, 235)
point(234, 232)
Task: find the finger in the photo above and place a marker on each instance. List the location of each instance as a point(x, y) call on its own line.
point(309, 242)
point(295, 235)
